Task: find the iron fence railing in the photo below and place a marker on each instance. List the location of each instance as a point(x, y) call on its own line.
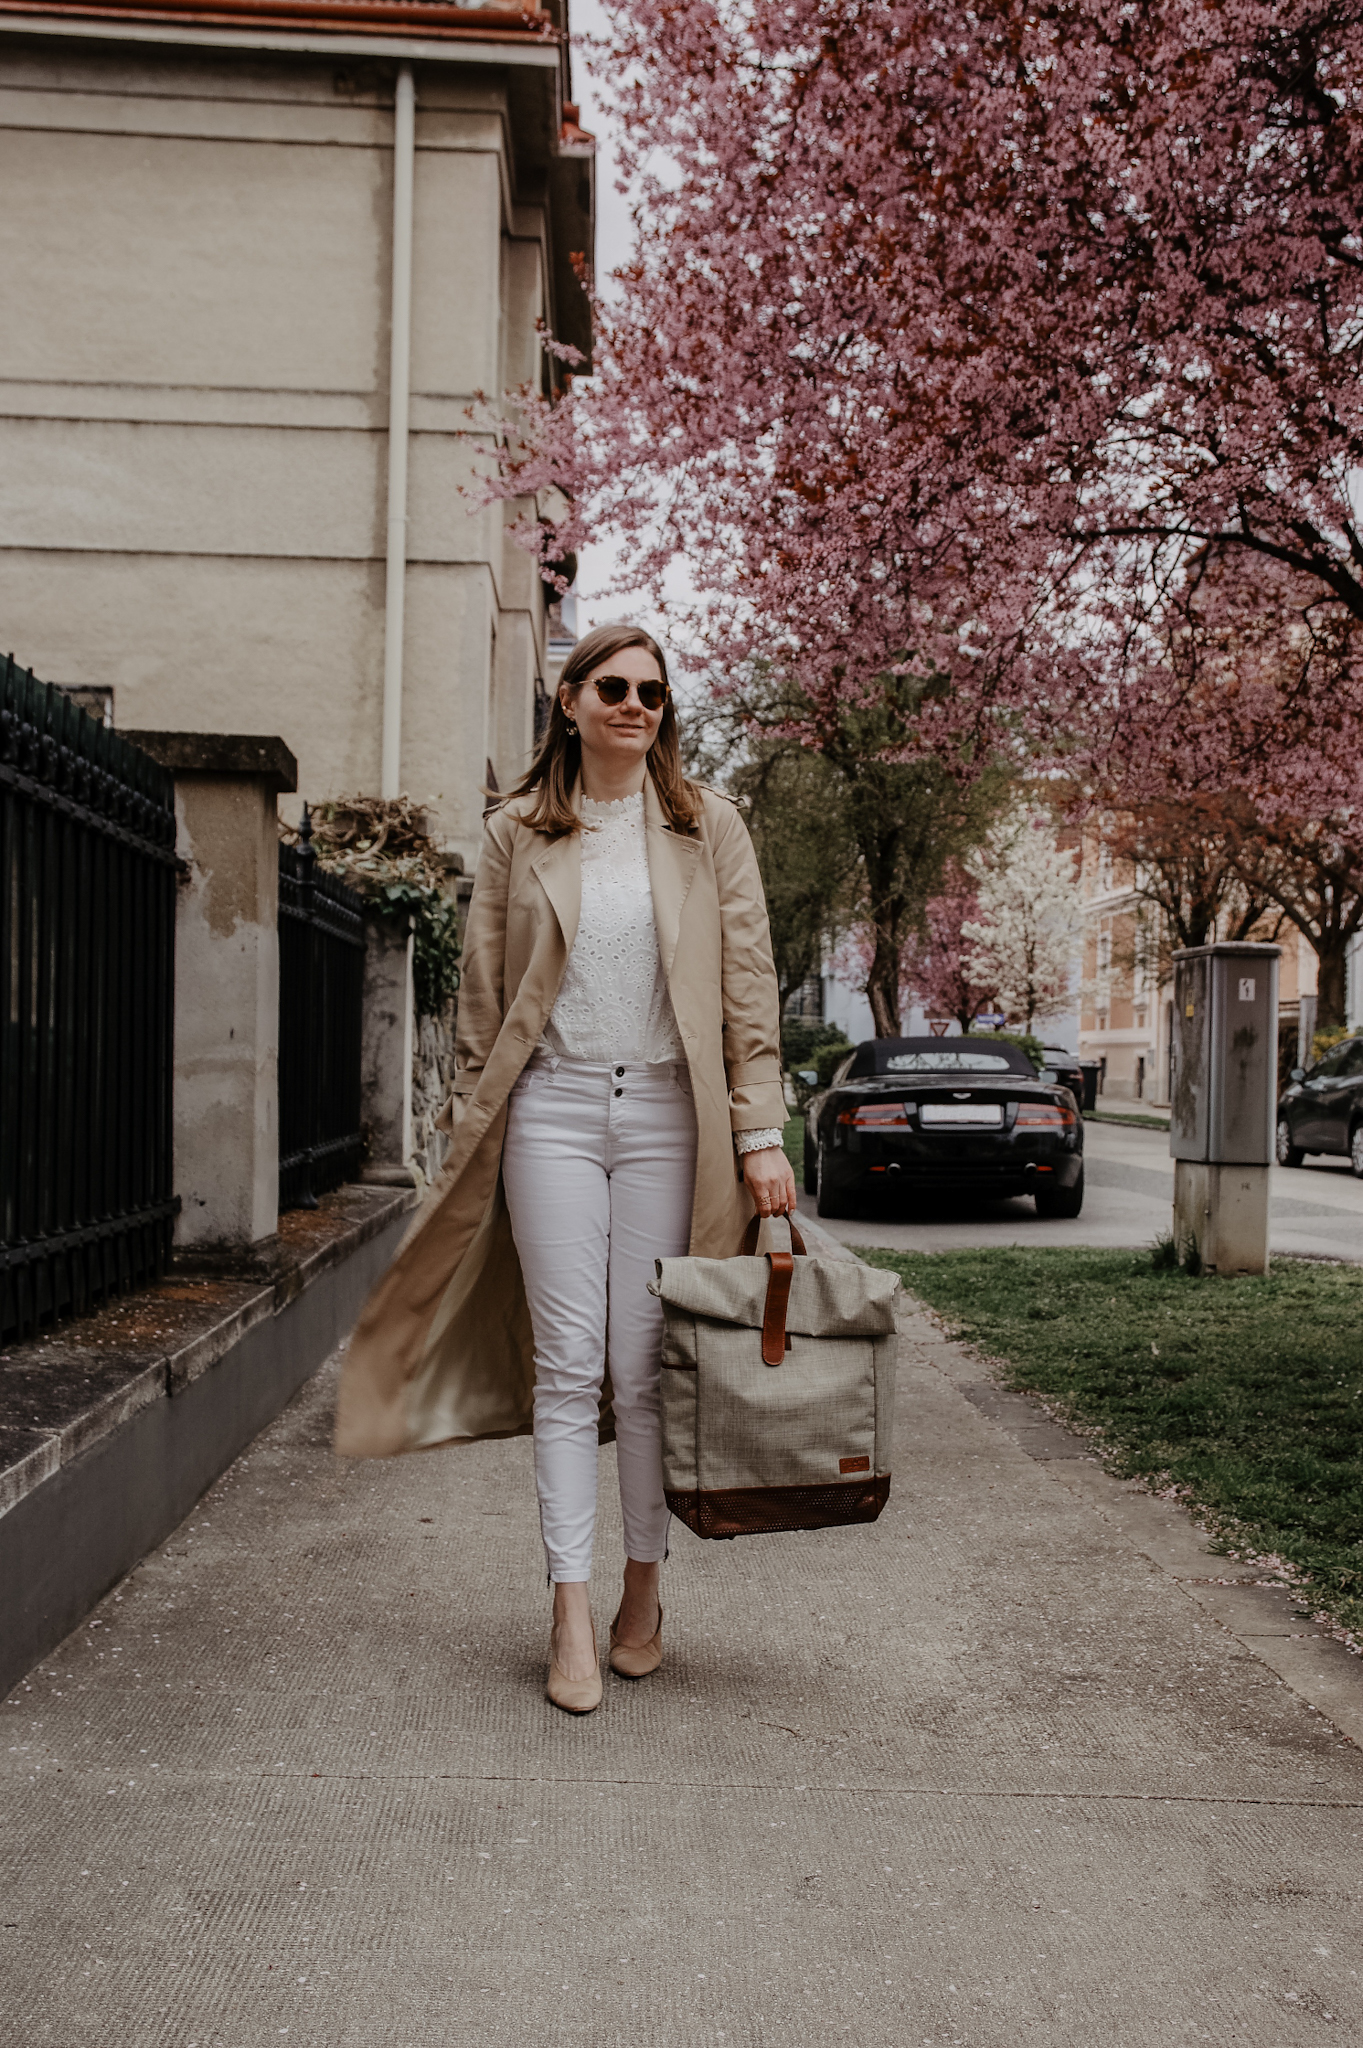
point(87, 991)
point(321, 994)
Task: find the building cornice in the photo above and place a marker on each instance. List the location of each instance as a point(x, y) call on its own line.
point(1106, 902)
point(398, 28)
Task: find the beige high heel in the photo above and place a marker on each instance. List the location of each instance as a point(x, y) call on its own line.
point(574, 1695)
point(636, 1661)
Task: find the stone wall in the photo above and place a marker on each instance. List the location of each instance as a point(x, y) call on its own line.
point(432, 1086)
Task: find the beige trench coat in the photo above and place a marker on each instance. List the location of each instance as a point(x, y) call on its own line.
point(442, 1352)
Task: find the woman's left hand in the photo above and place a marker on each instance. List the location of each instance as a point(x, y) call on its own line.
point(769, 1181)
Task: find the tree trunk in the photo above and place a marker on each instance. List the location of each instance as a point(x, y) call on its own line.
point(1332, 983)
point(882, 987)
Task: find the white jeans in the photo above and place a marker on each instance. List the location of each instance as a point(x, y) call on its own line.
point(599, 1167)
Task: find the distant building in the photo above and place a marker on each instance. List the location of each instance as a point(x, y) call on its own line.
point(1126, 1021)
point(203, 422)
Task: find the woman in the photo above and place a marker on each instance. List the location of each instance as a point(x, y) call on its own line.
point(618, 1069)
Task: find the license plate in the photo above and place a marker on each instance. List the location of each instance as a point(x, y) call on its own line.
point(961, 1113)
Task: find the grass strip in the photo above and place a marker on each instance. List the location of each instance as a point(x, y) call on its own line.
point(793, 1138)
point(1247, 1393)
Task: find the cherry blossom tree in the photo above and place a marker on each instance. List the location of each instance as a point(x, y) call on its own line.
point(935, 308)
point(1227, 761)
point(938, 969)
point(1026, 934)
point(965, 347)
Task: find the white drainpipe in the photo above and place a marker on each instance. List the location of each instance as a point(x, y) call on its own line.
point(399, 408)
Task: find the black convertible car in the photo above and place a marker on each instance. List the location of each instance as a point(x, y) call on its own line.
point(1322, 1108)
point(965, 1115)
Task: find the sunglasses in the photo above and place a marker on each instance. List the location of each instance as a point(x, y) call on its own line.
point(615, 689)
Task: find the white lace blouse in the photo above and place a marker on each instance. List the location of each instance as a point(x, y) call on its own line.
point(613, 1002)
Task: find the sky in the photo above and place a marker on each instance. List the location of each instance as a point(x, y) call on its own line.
point(613, 231)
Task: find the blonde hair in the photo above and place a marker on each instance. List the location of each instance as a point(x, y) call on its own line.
point(556, 768)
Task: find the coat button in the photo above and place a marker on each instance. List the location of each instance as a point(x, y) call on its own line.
point(619, 1091)
point(619, 1070)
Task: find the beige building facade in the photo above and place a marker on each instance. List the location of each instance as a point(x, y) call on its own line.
point(220, 510)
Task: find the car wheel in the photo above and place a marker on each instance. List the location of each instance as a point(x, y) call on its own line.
point(811, 1166)
point(1288, 1154)
point(828, 1202)
point(1356, 1151)
point(1061, 1202)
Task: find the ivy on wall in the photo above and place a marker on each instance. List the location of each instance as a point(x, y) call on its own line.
point(379, 846)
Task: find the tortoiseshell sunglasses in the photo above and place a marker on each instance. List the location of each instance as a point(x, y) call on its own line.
point(614, 690)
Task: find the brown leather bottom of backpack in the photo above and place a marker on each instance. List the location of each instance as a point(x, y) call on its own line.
point(764, 1510)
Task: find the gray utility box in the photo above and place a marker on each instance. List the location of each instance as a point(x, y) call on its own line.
point(1224, 1101)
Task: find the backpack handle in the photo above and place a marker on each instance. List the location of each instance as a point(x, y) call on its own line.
point(782, 1268)
point(750, 1235)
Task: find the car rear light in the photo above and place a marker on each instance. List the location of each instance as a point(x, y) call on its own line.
point(877, 1116)
point(1051, 1115)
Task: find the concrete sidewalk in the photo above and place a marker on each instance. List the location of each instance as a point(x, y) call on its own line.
point(995, 1771)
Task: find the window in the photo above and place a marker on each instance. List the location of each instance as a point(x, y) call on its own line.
point(1141, 954)
point(949, 1063)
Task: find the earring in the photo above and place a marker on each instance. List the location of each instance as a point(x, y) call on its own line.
point(572, 730)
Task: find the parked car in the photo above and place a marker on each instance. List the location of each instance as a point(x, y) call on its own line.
point(1064, 1067)
point(1321, 1109)
point(943, 1114)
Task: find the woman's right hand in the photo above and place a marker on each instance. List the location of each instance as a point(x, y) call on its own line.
point(769, 1180)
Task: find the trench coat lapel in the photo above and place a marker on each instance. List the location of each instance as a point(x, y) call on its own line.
point(673, 858)
point(559, 872)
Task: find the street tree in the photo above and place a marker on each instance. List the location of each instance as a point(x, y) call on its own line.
point(1311, 872)
point(855, 833)
point(1027, 932)
point(910, 818)
point(939, 966)
point(954, 340)
point(943, 319)
point(807, 856)
point(1227, 762)
point(1185, 855)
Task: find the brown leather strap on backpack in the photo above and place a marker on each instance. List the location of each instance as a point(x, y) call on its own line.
point(749, 1244)
point(778, 1299)
point(782, 1268)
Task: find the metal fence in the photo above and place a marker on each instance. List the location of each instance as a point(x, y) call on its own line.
point(321, 993)
point(87, 990)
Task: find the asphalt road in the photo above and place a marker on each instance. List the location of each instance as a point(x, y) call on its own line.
point(1128, 1197)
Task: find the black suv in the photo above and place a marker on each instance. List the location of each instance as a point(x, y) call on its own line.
point(1322, 1108)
